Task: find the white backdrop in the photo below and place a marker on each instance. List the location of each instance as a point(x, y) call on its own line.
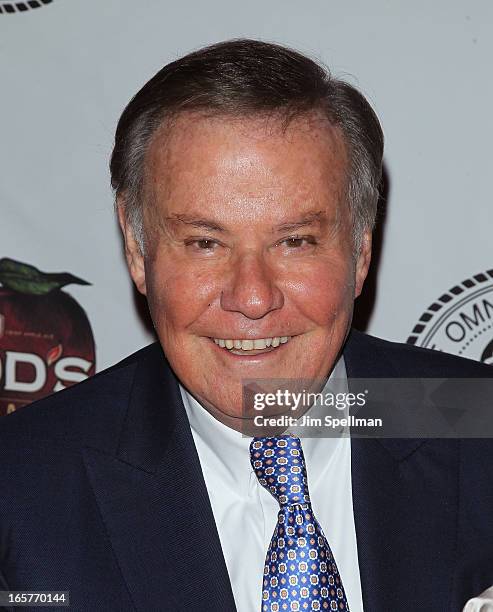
point(67, 69)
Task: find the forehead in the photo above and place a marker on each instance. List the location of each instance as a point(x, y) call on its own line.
point(257, 165)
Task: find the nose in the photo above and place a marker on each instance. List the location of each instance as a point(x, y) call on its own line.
point(250, 288)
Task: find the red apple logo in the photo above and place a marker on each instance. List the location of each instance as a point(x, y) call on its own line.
point(46, 340)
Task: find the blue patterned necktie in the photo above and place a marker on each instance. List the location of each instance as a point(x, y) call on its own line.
point(300, 572)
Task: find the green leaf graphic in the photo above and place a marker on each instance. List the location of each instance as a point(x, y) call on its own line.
point(24, 278)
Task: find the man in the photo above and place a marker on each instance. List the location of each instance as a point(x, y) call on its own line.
point(246, 184)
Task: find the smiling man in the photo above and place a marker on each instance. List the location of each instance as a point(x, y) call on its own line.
point(250, 269)
point(246, 181)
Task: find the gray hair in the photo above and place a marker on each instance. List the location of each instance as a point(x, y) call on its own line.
point(247, 78)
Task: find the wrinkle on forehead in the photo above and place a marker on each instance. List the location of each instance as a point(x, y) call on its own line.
point(177, 170)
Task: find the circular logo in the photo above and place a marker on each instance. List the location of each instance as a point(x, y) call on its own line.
point(460, 321)
point(21, 7)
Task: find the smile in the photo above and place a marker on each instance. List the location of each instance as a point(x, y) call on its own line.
point(245, 347)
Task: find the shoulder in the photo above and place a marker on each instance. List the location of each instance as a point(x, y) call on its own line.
point(80, 414)
point(375, 355)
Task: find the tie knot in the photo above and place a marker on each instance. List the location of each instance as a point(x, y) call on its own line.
point(279, 465)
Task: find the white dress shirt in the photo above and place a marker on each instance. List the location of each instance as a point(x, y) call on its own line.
point(246, 513)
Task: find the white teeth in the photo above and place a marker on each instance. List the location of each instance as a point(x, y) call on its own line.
point(249, 345)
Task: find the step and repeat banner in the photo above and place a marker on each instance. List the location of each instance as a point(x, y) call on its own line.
point(68, 68)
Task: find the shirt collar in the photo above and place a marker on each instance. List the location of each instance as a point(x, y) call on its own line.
point(231, 448)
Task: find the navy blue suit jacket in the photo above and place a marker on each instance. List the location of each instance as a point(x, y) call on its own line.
point(102, 494)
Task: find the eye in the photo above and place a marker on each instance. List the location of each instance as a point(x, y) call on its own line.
point(202, 244)
point(205, 243)
point(296, 242)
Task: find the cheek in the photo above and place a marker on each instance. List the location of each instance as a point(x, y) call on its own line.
point(178, 296)
point(323, 292)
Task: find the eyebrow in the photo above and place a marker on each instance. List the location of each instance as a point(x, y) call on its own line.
point(198, 222)
point(208, 224)
point(309, 219)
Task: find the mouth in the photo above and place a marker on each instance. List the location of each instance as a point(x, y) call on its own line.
point(256, 346)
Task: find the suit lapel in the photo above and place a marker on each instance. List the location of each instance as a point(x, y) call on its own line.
point(154, 503)
point(405, 500)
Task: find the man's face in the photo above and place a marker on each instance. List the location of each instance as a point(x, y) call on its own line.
point(248, 238)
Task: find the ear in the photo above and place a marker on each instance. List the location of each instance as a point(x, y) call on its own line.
point(133, 254)
point(362, 263)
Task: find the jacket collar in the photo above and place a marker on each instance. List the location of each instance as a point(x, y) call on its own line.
point(154, 503)
point(366, 359)
point(400, 487)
